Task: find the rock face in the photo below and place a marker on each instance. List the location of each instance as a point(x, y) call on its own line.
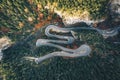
point(85, 16)
point(75, 17)
point(4, 43)
point(114, 10)
point(80, 11)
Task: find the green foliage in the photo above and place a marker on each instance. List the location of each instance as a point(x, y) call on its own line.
point(14, 14)
point(104, 63)
point(95, 7)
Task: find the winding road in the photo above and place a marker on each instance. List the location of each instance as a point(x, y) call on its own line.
point(83, 50)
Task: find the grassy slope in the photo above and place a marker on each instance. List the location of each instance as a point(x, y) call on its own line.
point(103, 64)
